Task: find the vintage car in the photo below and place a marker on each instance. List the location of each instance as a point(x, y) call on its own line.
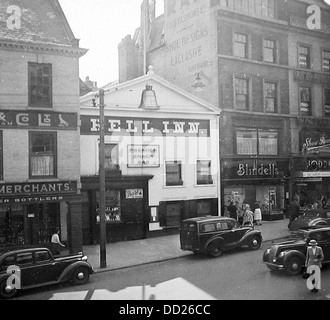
point(289, 255)
point(311, 217)
point(37, 267)
point(214, 235)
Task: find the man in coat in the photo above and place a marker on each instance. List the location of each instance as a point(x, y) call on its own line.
point(314, 256)
point(294, 211)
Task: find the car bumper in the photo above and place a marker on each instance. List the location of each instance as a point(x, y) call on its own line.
point(273, 265)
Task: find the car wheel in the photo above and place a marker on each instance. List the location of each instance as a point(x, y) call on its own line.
point(214, 250)
point(6, 293)
point(80, 275)
point(293, 266)
point(255, 243)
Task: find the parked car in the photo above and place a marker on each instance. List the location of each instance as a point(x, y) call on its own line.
point(311, 217)
point(38, 268)
point(214, 235)
point(290, 254)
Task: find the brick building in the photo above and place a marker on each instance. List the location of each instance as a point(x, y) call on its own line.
point(39, 125)
point(268, 71)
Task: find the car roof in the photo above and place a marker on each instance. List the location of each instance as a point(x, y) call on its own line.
point(10, 253)
point(208, 219)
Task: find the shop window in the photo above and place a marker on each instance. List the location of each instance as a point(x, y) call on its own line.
point(257, 142)
point(327, 102)
point(43, 154)
point(204, 174)
point(304, 57)
point(40, 85)
point(240, 45)
point(269, 51)
point(305, 101)
point(173, 214)
point(271, 94)
point(174, 173)
point(241, 93)
point(326, 61)
point(112, 206)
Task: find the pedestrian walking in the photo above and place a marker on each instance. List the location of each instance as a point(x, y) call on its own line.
point(294, 211)
point(257, 213)
point(232, 209)
point(56, 244)
point(248, 216)
point(314, 256)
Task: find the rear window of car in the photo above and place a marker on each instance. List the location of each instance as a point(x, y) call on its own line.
point(9, 261)
point(209, 227)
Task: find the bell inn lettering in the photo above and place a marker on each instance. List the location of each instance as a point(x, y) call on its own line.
point(142, 127)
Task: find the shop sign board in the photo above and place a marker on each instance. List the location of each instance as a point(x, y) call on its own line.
point(36, 192)
point(255, 168)
point(143, 156)
point(23, 119)
point(134, 194)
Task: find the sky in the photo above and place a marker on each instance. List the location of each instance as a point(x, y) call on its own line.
point(101, 25)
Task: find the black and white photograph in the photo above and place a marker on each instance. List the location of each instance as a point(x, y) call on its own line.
point(164, 155)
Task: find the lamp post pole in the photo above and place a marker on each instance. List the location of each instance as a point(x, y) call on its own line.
point(103, 241)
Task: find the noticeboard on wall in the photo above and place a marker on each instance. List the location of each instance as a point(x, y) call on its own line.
point(143, 156)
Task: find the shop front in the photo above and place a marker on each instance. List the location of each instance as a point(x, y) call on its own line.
point(311, 170)
point(31, 212)
point(126, 208)
point(248, 180)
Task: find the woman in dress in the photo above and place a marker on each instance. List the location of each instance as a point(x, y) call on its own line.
point(257, 213)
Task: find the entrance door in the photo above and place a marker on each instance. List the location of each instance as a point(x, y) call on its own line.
point(43, 219)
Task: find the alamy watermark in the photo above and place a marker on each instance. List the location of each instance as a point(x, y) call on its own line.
point(14, 280)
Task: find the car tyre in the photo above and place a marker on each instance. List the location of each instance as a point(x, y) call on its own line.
point(4, 294)
point(293, 266)
point(80, 276)
point(214, 250)
point(255, 243)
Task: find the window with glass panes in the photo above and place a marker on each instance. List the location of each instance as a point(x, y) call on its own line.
point(326, 61)
point(42, 154)
point(241, 93)
point(204, 174)
point(40, 85)
point(327, 102)
point(111, 157)
point(260, 8)
point(304, 58)
point(174, 173)
point(257, 142)
point(240, 45)
point(269, 51)
point(270, 97)
point(305, 101)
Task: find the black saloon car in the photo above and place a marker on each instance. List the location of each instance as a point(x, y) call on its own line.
point(311, 217)
point(214, 235)
point(290, 255)
point(37, 267)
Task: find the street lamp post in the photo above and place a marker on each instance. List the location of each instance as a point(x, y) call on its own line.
point(103, 240)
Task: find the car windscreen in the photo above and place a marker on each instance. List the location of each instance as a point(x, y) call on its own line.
point(188, 226)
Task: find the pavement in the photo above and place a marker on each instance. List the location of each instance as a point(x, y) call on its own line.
point(140, 252)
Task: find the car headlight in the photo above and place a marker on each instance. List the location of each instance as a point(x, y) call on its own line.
point(281, 255)
point(84, 258)
point(267, 251)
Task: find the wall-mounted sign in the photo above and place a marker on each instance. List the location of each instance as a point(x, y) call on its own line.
point(259, 168)
point(139, 156)
point(39, 120)
point(146, 127)
point(315, 142)
point(38, 188)
point(305, 76)
point(30, 199)
point(134, 194)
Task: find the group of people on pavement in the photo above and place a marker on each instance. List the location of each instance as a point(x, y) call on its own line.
point(246, 215)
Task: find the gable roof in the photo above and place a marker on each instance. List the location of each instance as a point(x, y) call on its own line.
point(171, 98)
point(42, 22)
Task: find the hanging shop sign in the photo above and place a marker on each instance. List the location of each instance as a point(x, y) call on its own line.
point(38, 120)
point(255, 168)
point(139, 156)
point(146, 127)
